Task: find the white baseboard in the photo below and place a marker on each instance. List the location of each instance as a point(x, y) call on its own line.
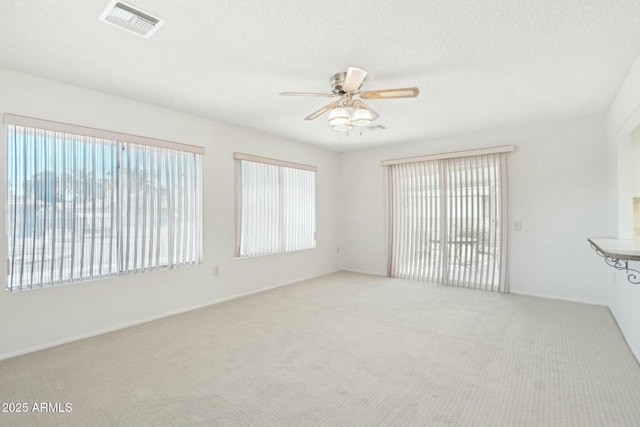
point(623, 325)
point(268, 288)
point(352, 270)
point(530, 294)
point(581, 301)
point(152, 318)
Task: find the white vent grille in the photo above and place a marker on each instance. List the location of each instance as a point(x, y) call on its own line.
point(131, 19)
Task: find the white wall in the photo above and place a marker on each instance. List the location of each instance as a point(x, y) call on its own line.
point(558, 190)
point(37, 319)
point(623, 118)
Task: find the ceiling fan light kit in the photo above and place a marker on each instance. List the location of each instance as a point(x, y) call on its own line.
point(361, 117)
point(349, 110)
point(338, 116)
point(344, 119)
point(343, 128)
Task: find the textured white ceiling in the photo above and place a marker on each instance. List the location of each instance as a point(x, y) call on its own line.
point(479, 64)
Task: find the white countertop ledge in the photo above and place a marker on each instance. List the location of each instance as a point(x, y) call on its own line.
point(628, 249)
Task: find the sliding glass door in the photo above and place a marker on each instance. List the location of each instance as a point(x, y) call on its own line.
point(448, 221)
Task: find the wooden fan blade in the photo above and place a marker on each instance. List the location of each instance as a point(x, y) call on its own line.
point(359, 104)
point(329, 95)
point(405, 92)
point(321, 111)
point(354, 78)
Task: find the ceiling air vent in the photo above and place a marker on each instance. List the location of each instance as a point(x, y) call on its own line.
point(131, 19)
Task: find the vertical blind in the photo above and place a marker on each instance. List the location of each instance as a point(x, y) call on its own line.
point(448, 221)
point(161, 208)
point(275, 206)
point(84, 207)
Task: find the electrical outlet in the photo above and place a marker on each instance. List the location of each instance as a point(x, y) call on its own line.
point(517, 225)
point(215, 271)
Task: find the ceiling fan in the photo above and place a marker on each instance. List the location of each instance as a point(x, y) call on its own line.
point(349, 110)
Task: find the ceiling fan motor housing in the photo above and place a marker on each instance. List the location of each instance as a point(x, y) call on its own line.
point(337, 82)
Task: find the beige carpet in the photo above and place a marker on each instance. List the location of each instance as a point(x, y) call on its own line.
point(343, 350)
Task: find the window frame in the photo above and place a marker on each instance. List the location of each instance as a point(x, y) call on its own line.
point(122, 141)
point(240, 157)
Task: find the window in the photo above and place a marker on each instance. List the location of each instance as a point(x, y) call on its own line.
point(276, 206)
point(83, 204)
point(448, 219)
